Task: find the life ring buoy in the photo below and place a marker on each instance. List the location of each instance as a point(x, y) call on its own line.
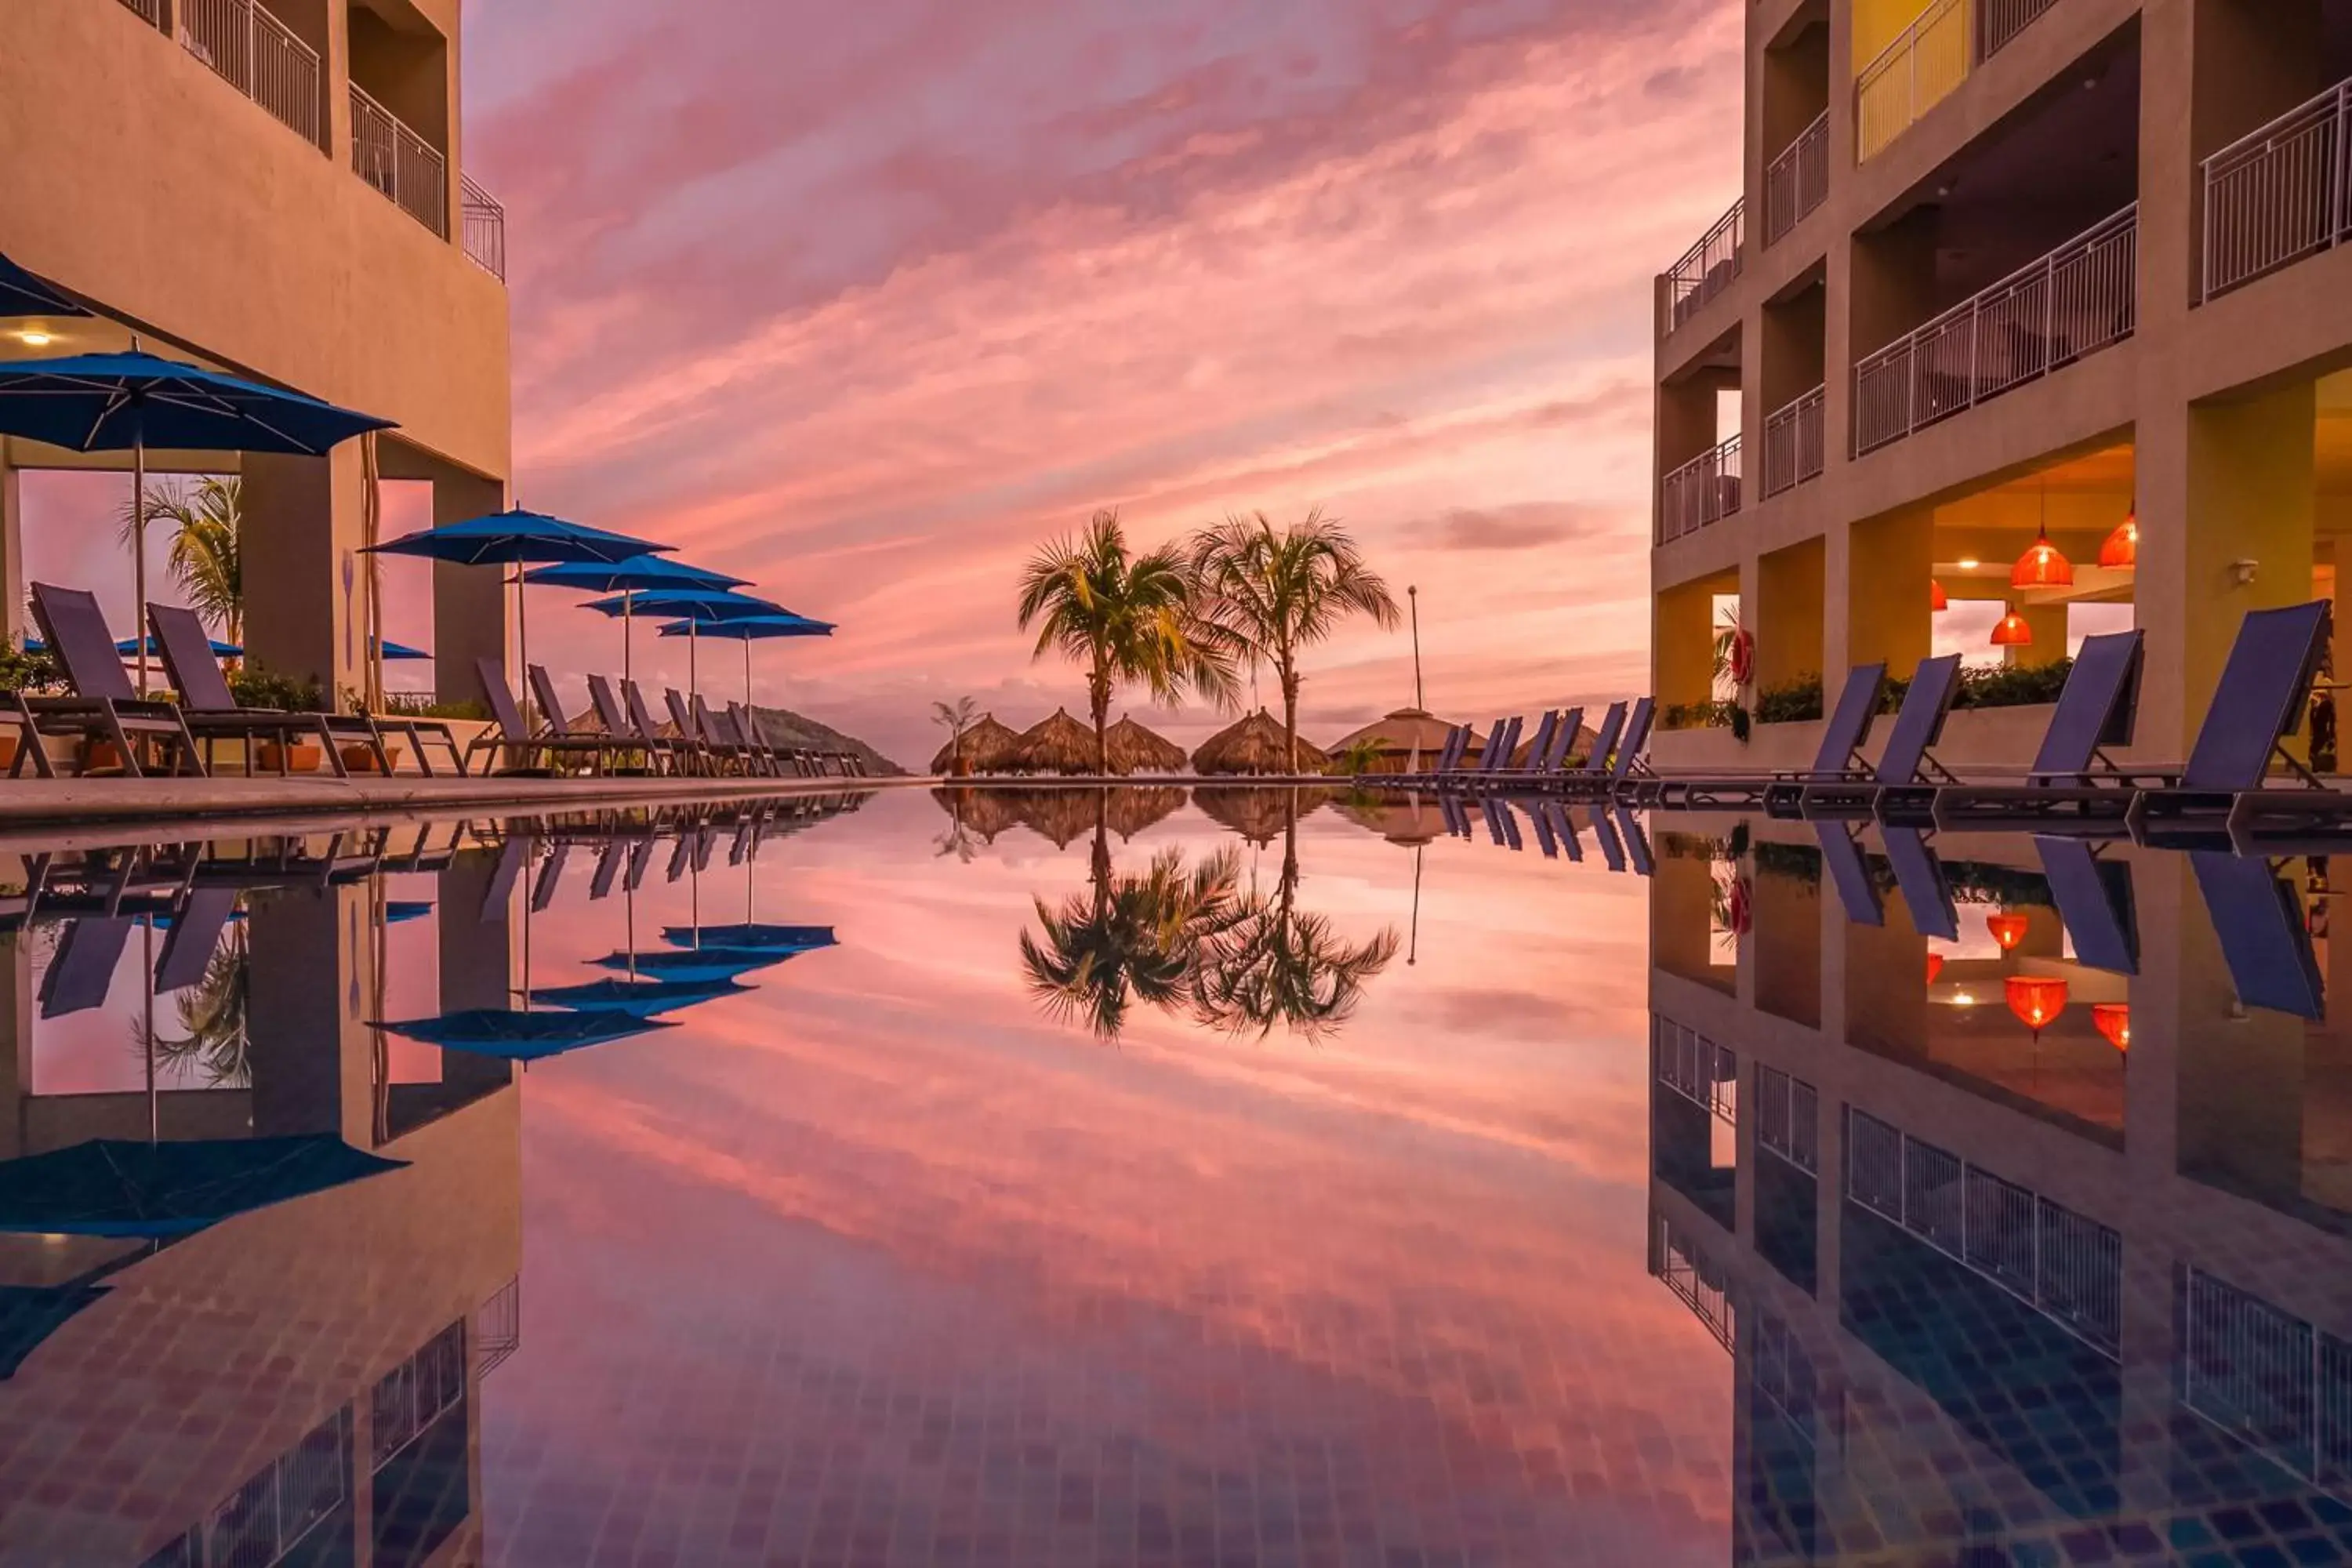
point(1743, 657)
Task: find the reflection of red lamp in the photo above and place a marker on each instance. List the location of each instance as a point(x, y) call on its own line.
point(2120, 550)
point(2008, 930)
point(1935, 966)
point(2011, 631)
point(2042, 567)
point(2114, 1021)
point(2036, 999)
point(1937, 600)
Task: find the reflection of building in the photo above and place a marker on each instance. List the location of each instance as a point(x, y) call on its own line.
point(299, 1384)
point(1964, 1312)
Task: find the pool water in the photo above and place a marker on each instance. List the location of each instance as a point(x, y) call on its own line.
point(1250, 1177)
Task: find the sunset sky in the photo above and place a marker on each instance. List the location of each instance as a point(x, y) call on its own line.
point(866, 301)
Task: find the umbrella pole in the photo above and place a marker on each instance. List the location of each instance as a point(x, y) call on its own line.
point(522, 637)
point(1413, 949)
point(693, 646)
point(628, 634)
point(630, 903)
point(139, 554)
point(147, 941)
point(747, 680)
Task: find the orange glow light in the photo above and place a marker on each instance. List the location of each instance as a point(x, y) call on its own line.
point(2121, 549)
point(1935, 966)
point(2008, 930)
point(2036, 999)
point(1936, 599)
point(2114, 1020)
point(2012, 632)
point(2041, 567)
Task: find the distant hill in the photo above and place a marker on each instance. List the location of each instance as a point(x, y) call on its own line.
point(782, 727)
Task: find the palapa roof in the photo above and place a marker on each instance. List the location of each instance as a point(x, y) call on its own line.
point(983, 812)
point(987, 746)
point(1057, 745)
point(1136, 749)
point(1061, 815)
point(1254, 745)
point(1132, 809)
point(1257, 814)
point(1400, 733)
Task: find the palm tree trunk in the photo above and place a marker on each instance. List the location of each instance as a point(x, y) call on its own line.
point(1290, 713)
point(1098, 696)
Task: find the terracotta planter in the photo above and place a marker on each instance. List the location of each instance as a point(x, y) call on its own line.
point(362, 759)
point(102, 756)
point(304, 758)
point(9, 745)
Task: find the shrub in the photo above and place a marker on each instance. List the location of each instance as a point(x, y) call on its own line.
point(1791, 703)
point(422, 705)
point(1698, 716)
point(254, 687)
point(22, 671)
point(2013, 686)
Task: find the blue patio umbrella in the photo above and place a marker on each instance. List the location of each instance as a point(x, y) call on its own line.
point(524, 1037)
point(518, 538)
point(130, 401)
point(694, 606)
point(642, 575)
point(130, 646)
point(643, 998)
point(23, 294)
point(400, 650)
point(160, 1191)
point(750, 629)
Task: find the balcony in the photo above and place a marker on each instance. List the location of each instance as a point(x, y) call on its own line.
point(1798, 181)
point(485, 228)
point(1926, 63)
point(1701, 492)
point(2278, 195)
point(255, 53)
point(398, 162)
point(2079, 298)
point(1707, 269)
point(1796, 441)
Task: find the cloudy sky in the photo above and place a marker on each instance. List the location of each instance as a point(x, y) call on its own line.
point(867, 301)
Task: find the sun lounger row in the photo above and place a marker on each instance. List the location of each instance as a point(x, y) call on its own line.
point(1613, 765)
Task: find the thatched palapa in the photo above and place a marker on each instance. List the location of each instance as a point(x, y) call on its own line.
point(1256, 746)
point(984, 812)
point(1131, 810)
point(1061, 815)
point(988, 747)
point(1402, 735)
point(1058, 745)
point(1136, 749)
point(1258, 815)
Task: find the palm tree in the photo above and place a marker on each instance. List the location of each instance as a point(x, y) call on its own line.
point(212, 1014)
point(955, 718)
point(1272, 592)
point(1132, 938)
point(1276, 965)
point(206, 560)
point(1128, 619)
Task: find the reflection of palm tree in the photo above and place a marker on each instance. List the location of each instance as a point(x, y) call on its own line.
point(1278, 965)
point(213, 1039)
point(1132, 938)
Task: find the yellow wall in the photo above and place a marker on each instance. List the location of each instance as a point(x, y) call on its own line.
point(1878, 23)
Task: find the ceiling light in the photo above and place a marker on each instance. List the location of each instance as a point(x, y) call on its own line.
point(1967, 564)
point(33, 338)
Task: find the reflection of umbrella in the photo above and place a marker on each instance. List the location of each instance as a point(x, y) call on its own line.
point(23, 294)
point(1261, 814)
point(515, 538)
point(987, 811)
point(159, 1190)
point(130, 401)
point(637, 576)
point(715, 964)
point(524, 1037)
point(751, 938)
point(749, 629)
point(399, 912)
point(640, 998)
point(1132, 809)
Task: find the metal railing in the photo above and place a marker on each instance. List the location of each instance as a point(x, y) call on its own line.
point(1703, 1286)
point(149, 11)
point(1703, 491)
point(2279, 194)
point(1697, 1069)
point(485, 228)
point(1706, 268)
point(2079, 298)
point(2269, 1379)
point(1795, 441)
point(1913, 74)
point(398, 162)
point(2065, 1265)
point(498, 1329)
point(1787, 1113)
point(1998, 21)
point(260, 56)
point(1798, 180)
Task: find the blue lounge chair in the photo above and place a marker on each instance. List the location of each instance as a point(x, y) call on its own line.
point(2094, 902)
point(194, 936)
point(2264, 938)
point(2072, 777)
point(81, 970)
point(104, 707)
point(1629, 772)
point(1838, 761)
point(2264, 690)
point(1906, 764)
point(1595, 772)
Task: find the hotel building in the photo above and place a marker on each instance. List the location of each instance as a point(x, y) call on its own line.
point(1998, 267)
point(274, 188)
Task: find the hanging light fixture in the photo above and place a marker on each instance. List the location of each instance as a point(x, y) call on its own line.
point(2036, 999)
point(1935, 966)
point(2008, 930)
point(2120, 550)
point(2011, 631)
point(2114, 1021)
point(2042, 567)
point(1935, 597)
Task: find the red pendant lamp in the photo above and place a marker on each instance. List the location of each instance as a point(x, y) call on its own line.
point(2042, 567)
point(1935, 966)
point(2008, 930)
point(2011, 631)
point(2120, 550)
point(2114, 1021)
point(1936, 596)
point(2036, 999)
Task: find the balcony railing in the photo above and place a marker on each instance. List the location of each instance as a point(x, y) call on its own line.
point(1703, 1286)
point(2279, 194)
point(1798, 181)
point(1702, 491)
point(1707, 269)
point(149, 11)
point(1930, 59)
point(256, 54)
point(1696, 1068)
point(2267, 1378)
point(2079, 298)
point(1796, 441)
point(486, 228)
point(398, 162)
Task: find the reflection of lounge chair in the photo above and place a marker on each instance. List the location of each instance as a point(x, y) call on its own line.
point(1564, 826)
point(1540, 820)
point(2094, 902)
point(2263, 939)
point(609, 861)
point(1850, 874)
point(1838, 761)
point(81, 970)
point(103, 707)
point(542, 890)
point(1612, 848)
point(1896, 780)
point(2072, 776)
point(2264, 691)
point(194, 934)
point(1927, 891)
point(1637, 844)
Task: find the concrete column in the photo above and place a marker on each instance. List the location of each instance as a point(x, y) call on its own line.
point(1890, 561)
point(12, 549)
point(312, 1051)
point(469, 603)
point(1681, 644)
point(17, 1047)
point(303, 575)
point(478, 939)
point(1788, 940)
point(1787, 615)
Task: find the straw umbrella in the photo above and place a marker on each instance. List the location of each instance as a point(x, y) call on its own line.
point(1407, 733)
point(1259, 814)
point(1132, 749)
point(1255, 745)
point(1061, 815)
point(1058, 745)
point(986, 812)
point(1135, 807)
point(988, 747)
